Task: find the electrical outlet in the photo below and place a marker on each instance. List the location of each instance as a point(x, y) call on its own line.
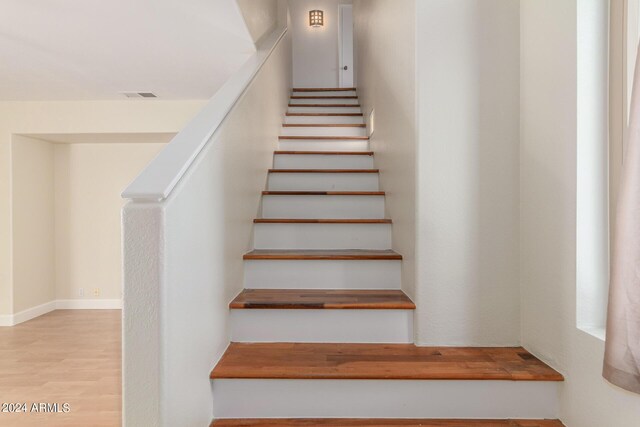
point(81, 292)
point(371, 122)
point(96, 292)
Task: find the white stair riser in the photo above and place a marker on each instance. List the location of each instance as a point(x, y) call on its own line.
point(323, 182)
point(326, 93)
point(324, 101)
point(333, 207)
point(324, 110)
point(315, 161)
point(326, 326)
point(323, 131)
point(324, 119)
point(275, 398)
point(322, 274)
point(323, 145)
point(322, 236)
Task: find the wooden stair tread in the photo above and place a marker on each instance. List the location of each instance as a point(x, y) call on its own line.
point(324, 97)
point(323, 89)
point(323, 114)
point(324, 125)
point(322, 299)
point(326, 153)
point(321, 221)
point(325, 105)
point(380, 422)
point(324, 171)
point(323, 193)
point(322, 138)
point(342, 254)
point(380, 361)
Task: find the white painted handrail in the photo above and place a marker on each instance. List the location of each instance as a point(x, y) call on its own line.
point(159, 178)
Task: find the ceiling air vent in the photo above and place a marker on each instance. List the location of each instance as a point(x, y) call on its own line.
point(139, 94)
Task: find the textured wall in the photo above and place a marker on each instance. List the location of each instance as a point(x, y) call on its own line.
point(467, 282)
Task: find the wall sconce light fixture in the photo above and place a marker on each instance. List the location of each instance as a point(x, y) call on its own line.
point(316, 18)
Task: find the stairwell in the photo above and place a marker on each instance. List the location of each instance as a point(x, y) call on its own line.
point(322, 333)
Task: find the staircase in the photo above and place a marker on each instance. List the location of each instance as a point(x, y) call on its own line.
point(322, 333)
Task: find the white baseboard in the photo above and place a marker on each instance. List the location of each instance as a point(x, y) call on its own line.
point(64, 304)
point(6, 320)
point(33, 312)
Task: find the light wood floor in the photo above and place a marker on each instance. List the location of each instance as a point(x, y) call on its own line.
point(66, 356)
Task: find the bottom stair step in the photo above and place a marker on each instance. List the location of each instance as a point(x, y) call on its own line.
point(380, 361)
point(351, 422)
point(302, 380)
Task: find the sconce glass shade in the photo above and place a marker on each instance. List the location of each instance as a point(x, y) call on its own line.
point(316, 18)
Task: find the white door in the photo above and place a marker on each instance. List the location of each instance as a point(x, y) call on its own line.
point(346, 46)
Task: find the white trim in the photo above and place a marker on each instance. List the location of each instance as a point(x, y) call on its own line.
point(28, 314)
point(68, 304)
point(33, 312)
point(6, 320)
point(598, 332)
point(159, 178)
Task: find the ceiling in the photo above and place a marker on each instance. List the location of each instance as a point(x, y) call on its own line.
point(94, 49)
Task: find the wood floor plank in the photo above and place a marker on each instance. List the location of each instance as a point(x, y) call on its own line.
point(324, 97)
point(322, 299)
point(323, 89)
point(348, 254)
point(326, 153)
point(66, 356)
point(324, 171)
point(319, 221)
point(322, 138)
point(323, 193)
point(323, 114)
point(351, 422)
point(325, 105)
point(380, 361)
point(324, 125)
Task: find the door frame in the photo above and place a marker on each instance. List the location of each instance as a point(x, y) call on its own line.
point(341, 7)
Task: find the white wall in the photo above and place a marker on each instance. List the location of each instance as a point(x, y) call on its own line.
point(386, 83)
point(89, 178)
point(260, 16)
point(549, 138)
point(467, 175)
point(66, 216)
point(33, 223)
point(70, 118)
point(315, 50)
point(183, 259)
